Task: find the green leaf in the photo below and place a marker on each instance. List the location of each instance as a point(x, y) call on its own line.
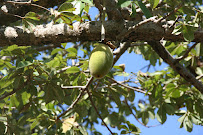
point(144, 9)
point(131, 95)
point(25, 97)
point(34, 124)
point(133, 128)
point(188, 124)
point(83, 130)
point(154, 3)
point(19, 80)
point(169, 109)
point(73, 70)
point(66, 19)
point(56, 51)
point(85, 65)
point(124, 3)
point(115, 96)
point(133, 14)
point(72, 50)
point(66, 7)
point(188, 33)
point(23, 64)
point(161, 115)
point(14, 50)
point(145, 117)
point(33, 16)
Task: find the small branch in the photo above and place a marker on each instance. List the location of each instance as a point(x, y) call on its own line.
point(72, 87)
point(132, 88)
point(169, 14)
point(11, 14)
point(176, 20)
point(126, 33)
point(65, 68)
point(186, 53)
point(14, 91)
point(77, 99)
point(47, 47)
point(199, 77)
point(92, 102)
point(120, 51)
point(126, 102)
point(28, 3)
point(8, 94)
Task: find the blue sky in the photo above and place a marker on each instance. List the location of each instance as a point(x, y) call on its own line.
point(134, 63)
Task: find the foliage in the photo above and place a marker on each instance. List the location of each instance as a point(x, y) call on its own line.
point(32, 82)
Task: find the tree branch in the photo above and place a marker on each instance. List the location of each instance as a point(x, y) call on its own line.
point(88, 31)
point(123, 47)
point(166, 56)
point(187, 52)
point(126, 102)
point(84, 88)
point(92, 102)
point(131, 88)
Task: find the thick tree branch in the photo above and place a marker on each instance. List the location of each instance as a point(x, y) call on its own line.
point(166, 56)
point(88, 31)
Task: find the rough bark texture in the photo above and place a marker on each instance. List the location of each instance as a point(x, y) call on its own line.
point(88, 31)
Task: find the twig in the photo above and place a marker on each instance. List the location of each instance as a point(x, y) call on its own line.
point(64, 69)
point(72, 105)
point(12, 14)
point(176, 20)
point(8, 94)
point(72, 87)
point(126, 102)
point(199, 77)
point(186, 53)
point(120, 51)
point(91, 100)
point(132, 88)
point(14, 91)
point(77, 99)
point(169, 14)
point(28, 3)
point(47, 47)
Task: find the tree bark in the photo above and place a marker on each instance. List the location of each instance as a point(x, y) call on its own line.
point(88, 31)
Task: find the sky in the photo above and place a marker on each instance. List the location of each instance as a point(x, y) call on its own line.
point(134, 63)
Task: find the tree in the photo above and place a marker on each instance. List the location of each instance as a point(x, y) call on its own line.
point(54, 93)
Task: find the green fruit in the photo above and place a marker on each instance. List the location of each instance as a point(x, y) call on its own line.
point(101, 61)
